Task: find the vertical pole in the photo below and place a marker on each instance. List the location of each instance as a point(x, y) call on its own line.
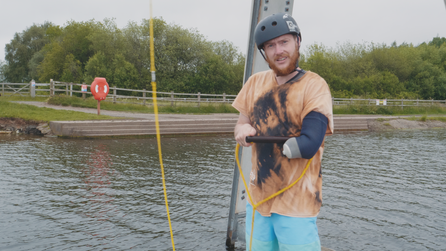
point(51, 88)
point(199, 99)
point(32, 88)
point(114, 94)
point(144, 97)
point(99, 107)
point(171, 98)
point(224, 97)
point(71, 89)
point(254, 63)
point(402, 104)
point(66, 89)
point(83, 94)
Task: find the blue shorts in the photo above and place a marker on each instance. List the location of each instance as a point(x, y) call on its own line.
point(282, 233)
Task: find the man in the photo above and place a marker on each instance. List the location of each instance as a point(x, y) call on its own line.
point(284, 101)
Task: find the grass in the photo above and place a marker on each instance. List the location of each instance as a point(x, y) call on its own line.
point(389, 110)
point(163, 107)
point(425, 118)
point(30, 112)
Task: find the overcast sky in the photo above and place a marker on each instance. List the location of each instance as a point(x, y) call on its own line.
point(321, 21)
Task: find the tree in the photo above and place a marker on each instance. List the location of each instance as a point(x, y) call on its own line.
point(21, 49)
point(72, 70)
point(97, 67)
point(3, 69)
point(71, 39)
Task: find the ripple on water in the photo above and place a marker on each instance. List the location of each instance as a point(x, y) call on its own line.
point(382, 191)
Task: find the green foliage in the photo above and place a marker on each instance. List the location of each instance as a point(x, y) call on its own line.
point(80, 51)
point(186, 62)
point(380, 71)
point(3, 69)
point(21, 50)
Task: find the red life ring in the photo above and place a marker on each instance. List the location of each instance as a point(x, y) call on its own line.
point(99, 88)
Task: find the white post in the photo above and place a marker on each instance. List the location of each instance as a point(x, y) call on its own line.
point(32, 88)
point(51, 88)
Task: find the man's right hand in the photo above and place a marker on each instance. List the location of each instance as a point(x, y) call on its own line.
point(242, 129)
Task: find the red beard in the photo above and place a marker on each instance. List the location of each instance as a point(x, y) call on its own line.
point(287, 70)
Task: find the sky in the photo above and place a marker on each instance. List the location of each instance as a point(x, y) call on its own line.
point(326, 22)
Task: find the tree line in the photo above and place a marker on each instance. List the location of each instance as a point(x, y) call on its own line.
point(381, 71)
point(186, 62)
point(80, 51)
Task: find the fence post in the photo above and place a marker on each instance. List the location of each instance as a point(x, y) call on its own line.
point(51, 88)
point(171, 98)
point(224, 97)
point(66, 89)
point(84, 94)
point(144, 97)
point(71, 89)
point(32, 88)
point(402, 104)
point(114, 94)
point(199, 99)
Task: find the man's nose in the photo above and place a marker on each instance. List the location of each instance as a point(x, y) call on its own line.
point(279, 49)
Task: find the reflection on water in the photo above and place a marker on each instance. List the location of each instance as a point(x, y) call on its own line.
point(382, 191)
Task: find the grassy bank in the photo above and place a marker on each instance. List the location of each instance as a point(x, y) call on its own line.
point(389, 110)
point(163, 107)
point(425, 118)
point(30, 112)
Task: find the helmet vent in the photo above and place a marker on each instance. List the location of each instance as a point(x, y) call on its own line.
point(263, 28)
point(274, 23)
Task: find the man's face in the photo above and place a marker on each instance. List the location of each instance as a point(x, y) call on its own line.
point(282, 54)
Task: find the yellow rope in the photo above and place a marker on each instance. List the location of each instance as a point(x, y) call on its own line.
point(255, 206)
point(155, 108)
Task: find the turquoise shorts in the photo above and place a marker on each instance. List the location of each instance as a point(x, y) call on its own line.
point(282, 233)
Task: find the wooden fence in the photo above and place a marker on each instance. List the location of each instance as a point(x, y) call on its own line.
point(145, 97)
point(115, 95)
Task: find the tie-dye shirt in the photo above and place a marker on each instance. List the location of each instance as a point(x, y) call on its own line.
point(278, 110)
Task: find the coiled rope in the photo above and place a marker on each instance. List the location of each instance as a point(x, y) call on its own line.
point(155, 108)
point(255, 206)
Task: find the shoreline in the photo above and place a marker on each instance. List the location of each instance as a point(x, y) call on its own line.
point(21, 126)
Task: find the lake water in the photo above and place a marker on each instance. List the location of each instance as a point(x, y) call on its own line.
point(382, 191)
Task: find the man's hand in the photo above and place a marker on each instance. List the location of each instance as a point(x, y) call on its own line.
point(242, 129)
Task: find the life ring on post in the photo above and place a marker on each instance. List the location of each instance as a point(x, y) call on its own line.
point(99, 88)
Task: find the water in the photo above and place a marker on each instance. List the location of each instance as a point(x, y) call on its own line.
point(382, 191)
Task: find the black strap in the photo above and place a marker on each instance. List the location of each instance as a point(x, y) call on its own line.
point(298, 76)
